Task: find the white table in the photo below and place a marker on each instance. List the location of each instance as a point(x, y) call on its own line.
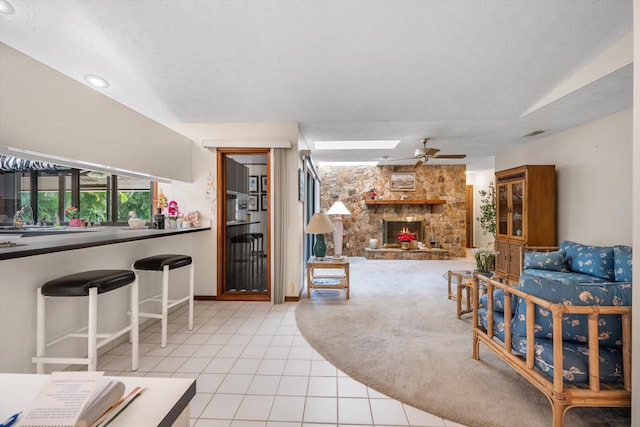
point(163, 403)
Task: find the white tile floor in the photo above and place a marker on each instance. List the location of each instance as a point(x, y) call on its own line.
point(254, 369)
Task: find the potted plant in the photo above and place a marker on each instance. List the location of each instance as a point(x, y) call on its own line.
point(72, 213)
point(485, 259)
point(487, 216)
point(405, 240)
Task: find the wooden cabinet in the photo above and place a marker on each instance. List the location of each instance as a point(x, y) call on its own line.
point(525, 214)
point(237, 177)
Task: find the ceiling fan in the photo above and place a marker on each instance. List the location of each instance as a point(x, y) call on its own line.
point(424, 154)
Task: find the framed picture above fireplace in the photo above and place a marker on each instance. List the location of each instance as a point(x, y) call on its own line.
point(403, 182)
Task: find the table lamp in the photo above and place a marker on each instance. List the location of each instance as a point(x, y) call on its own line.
point(319, 224)
point(336, 211)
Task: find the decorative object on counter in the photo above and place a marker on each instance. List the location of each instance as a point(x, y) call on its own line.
point(161, 202)
point(336, 211)
point(158, 220)
point(194, 218)
point(373, 193)
point(373, 243)
point(319, 224)
point(135, 222)
point(72, 213)
point(485, 259)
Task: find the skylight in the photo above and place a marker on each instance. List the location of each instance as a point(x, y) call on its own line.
point(357, 145)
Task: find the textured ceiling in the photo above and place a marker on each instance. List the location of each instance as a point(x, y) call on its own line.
point(462, 72)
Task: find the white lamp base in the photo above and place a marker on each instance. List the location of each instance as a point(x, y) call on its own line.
point(337, 235)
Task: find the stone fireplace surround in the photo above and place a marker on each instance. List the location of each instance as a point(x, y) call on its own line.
point(444, 222)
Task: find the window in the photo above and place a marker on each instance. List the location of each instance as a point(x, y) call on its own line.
point(49, 189)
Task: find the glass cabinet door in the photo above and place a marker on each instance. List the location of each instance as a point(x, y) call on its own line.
point(503, 210)
point(517, 208)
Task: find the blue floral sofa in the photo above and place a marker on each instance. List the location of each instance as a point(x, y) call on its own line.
point(566, 326)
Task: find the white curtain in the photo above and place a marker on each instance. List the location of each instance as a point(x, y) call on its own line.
point(280, 214)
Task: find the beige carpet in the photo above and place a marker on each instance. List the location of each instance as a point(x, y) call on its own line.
point(399, 335)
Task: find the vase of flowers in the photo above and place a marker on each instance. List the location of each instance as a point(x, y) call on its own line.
point(72, 214)
point(405, 240)
point(485, 259)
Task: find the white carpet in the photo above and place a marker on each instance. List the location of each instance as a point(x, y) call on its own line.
point(399, 335)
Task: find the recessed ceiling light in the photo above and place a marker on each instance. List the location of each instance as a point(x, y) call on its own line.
point(96, 81)
point(357, 145)
point(6, 8)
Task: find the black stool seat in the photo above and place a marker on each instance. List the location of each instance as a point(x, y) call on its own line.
point(158, 262)
point(243, 238)
point(78, 285)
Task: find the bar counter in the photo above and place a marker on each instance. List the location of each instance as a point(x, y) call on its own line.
point(46, 256)
point(33, 242)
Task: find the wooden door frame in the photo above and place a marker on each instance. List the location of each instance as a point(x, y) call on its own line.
point(469, 216)
point(221, 247)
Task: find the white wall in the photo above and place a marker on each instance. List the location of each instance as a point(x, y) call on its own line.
point(594, 178)
point(192, 197)
point(242, 132)
point(480, 181)
point(44, 111)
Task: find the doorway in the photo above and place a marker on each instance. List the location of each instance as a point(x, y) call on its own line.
point(243, 224)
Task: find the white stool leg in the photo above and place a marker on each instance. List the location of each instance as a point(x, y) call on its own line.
point(165, 304)
point(191, 292)
point(40, 330)
point(135, 354)
point(92, 337)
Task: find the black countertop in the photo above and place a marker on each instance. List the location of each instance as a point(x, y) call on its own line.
point(82, 238)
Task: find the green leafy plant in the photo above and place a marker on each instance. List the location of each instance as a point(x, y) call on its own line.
point(487, 216)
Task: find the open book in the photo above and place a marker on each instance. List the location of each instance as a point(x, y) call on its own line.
point(76, 399)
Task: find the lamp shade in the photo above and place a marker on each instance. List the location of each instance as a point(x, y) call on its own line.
point(338, 208)
point(319, 224)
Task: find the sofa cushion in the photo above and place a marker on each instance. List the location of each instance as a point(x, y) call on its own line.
point(559, 276)
point(575, 360)
point(622, 260)
point(498, 322)
point(574, 327)
point(498, 301)
point(593, 260)
point(554, 261)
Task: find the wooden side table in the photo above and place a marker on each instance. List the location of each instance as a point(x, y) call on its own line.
point(463, 281)
point(339, 279)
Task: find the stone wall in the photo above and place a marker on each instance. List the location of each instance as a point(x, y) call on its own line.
point(446, 223)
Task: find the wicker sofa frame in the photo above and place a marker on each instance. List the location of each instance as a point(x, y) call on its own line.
point(561, 395)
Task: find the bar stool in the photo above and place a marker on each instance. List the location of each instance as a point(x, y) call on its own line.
point(88, 283)
point(257, 252)
point(164, 263)
point(241, 247)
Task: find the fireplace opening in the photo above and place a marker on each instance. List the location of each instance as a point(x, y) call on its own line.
point(393, 227)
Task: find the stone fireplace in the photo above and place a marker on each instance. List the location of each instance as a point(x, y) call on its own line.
point(443, 228)
point(392, 227)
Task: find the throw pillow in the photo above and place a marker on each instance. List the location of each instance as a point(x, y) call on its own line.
point(554, 261)
point(593, 260)
point(622, 258)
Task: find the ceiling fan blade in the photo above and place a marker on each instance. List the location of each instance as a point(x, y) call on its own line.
point(431, 151)
point(417, 164)
point(450, 156)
